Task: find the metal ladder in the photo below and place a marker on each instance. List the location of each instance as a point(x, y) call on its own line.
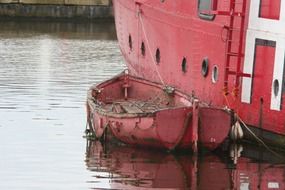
point(234, 14)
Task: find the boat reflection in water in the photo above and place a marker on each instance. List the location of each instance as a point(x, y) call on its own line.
point(121, 167)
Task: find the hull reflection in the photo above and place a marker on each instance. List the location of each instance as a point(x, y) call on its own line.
point(128, 168)
point(117, 167)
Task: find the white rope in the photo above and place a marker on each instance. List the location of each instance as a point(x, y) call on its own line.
point(148, 47)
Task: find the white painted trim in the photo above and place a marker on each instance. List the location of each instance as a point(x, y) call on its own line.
point(266, 29)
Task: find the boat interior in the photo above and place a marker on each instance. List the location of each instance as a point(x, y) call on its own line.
point(129, 95)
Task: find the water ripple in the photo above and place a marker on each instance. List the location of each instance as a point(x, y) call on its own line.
point(45, 71)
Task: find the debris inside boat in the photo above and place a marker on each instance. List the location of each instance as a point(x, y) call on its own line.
point(142, 113)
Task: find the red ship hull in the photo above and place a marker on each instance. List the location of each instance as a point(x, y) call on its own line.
point(142, 113)
point(226, 54)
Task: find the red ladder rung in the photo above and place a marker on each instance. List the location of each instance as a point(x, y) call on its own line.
point(232, 54)
point(232, 41)
point(232, 28)
point(235, 54)
point(240, 74)
point(228, 13)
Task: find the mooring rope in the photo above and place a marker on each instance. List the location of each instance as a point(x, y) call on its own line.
point(258, 139)
point(147, 44)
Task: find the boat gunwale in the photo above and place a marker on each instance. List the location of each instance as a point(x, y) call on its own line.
point(96, 105)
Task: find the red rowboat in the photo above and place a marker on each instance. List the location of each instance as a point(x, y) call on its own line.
point(139, 112)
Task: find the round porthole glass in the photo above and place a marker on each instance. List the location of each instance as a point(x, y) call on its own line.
point(157, 56)
point(143, 49)
point(205, 67)
point(276, 87)
point(130, 42)
point(215, 74)
point(184, 65)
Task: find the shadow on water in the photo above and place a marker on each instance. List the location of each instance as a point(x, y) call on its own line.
point(123, 167)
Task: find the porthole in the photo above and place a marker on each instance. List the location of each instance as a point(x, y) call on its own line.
point(143, 49)
point(215, 74)
point(157, 56)
point(205, 67)
point(130, 42)
point(205, 8)
point(276, 87)
point(184, 65)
